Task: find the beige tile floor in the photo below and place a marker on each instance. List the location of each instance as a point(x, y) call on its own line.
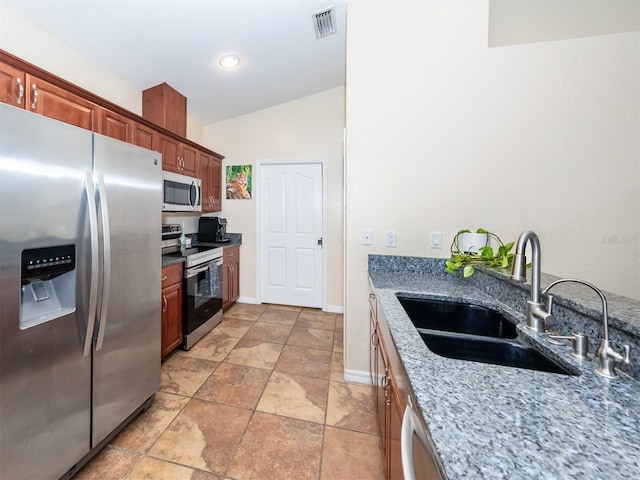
point(261, 397)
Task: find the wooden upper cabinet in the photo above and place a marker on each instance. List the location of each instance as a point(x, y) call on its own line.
point(169, 147)
point(144, 136)
point(29, 87)
point(115, 125)
point(165, 107)
point(178, 157)
point(55, 102)
point(12, 85)
point(210, 174)
point(189, 157)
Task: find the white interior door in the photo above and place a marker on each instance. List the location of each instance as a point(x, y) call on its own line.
point(291, 231)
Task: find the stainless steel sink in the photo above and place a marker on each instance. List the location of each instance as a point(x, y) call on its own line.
point(457, 317)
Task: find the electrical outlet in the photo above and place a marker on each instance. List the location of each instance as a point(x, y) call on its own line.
point(366, 237)
point(390, 239)
point(436, 239)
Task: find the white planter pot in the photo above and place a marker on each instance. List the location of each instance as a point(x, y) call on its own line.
point(472, 242)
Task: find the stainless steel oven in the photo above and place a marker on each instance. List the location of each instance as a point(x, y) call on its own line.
point(202, 296)
point(202, 285)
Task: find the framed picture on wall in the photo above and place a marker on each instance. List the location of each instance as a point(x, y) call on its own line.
point(239, 182)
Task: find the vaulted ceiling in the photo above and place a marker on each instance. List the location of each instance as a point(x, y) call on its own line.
point(147, 42)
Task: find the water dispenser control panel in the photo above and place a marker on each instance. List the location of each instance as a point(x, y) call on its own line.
point(48, 280)
point(47, 263)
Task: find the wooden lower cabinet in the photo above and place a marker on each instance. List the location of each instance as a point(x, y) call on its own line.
point(171, 336)
point(389, 392)
point(231, 276)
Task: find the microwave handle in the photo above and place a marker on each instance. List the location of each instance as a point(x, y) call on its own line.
point(197, 199)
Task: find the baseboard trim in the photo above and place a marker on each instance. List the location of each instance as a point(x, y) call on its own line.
point(254, 301)
point(251, 300)
point(357, 376)
point(334, 309)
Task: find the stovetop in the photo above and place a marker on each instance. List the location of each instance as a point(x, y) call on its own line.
point(194, 254)
point(179, 251)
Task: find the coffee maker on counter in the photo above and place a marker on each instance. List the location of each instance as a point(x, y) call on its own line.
point(212, 230)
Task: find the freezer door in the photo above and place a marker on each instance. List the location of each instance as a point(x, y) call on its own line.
point(126, 365)
point(45, 383)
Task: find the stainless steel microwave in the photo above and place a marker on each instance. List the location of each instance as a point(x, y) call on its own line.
point(180, 193)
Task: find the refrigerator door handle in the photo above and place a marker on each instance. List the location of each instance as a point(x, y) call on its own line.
point(106, 242)
point(93, 289)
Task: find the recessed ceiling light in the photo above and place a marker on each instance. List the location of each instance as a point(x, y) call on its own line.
point(229, 61)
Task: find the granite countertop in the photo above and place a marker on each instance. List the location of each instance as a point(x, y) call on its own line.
point(168, 260)
point(489, 421)
point(235, 239)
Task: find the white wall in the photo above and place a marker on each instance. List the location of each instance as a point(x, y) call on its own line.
point(444, 133)
point(31, 43)
point(311, 128)
point(526, 21)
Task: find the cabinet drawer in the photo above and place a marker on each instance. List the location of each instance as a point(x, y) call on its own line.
point(171, 274)
point(231, 254)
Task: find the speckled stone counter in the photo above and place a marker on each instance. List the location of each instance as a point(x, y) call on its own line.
point(168, 260)
point(494, 422)
point(234, 240)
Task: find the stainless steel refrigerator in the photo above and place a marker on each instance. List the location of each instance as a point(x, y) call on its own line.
point(80, 263)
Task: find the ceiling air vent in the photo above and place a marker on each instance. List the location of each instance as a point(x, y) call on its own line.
point(324, 22)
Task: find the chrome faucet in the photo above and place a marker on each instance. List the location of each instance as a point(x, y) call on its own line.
point(606, 354)
point(536, 314)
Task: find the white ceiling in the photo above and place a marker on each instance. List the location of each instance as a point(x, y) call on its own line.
point(147, 42)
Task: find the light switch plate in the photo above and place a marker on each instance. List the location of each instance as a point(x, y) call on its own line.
point(390, 239)
point(436, 239)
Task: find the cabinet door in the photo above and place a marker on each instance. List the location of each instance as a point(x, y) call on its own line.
point(216, 181)
point(210, 175)
point(396, 410)
point(235, 281)
point(144, 136)
point(12, 86)
point(169, 149)
point(116, 126)
point(55, 102)
point(226, 282)
point(171, 336)
point(382, 392)
point(205, 176)
point(189, 156)
point(373, 335)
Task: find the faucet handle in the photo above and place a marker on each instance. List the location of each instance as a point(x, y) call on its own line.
point(609, 358)
point(625, 356)
point(549, 304)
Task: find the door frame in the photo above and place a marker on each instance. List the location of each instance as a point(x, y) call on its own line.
point(259, 212)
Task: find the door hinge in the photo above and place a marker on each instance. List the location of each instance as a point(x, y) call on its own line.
point(320, 241)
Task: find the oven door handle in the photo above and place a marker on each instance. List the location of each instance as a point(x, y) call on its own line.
point(194, 271)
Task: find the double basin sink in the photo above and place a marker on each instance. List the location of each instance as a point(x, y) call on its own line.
point(471, 332)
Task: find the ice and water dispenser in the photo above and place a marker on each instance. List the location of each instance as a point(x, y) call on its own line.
point(48, 280)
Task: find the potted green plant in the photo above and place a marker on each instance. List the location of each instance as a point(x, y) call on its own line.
point(466, 254)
